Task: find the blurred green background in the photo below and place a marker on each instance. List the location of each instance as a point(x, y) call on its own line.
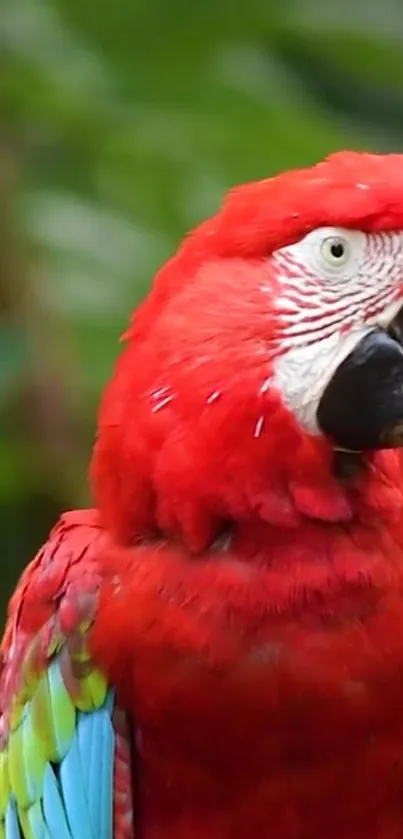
point(122, 124)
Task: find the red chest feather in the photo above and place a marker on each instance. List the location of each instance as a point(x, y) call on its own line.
point(263, 706)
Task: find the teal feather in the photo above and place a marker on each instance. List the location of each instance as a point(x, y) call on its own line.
point(13, 830)
point(96, 744)
point(58, 742)
point(72, 798)
point(99, 799)
point(53, 808)
point(87, 777)
point(85, 733)
point(37, 822)
point(72, 782)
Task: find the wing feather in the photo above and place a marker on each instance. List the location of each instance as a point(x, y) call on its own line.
point(62, 736)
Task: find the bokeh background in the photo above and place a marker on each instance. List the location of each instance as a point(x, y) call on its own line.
point(122, 122)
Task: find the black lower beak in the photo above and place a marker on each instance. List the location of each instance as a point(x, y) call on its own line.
point(362, 406)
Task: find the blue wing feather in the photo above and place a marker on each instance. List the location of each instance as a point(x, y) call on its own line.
point(63, 742)
point(37, 823)
point(76, 798)
point(53, 807)
point(85, 744)
point(72, 784)
point(13, 830)
point(105, 811)
point(101, 742)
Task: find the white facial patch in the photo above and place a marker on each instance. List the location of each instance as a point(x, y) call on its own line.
point(336, 285)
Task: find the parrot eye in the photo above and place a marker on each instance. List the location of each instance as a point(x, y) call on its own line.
point(332, 253)
point(335, 250)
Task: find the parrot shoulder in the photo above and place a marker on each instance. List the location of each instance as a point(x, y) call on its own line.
point(64, 743)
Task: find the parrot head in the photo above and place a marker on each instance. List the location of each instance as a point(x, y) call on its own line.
point(262, 378)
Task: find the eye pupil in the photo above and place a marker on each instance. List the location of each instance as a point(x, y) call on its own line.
point(337, 249)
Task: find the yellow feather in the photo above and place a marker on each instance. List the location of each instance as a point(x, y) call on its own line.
point(93, 691)
point(5, 788)
point(16, 767)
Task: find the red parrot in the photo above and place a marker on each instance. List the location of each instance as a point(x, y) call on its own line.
point(215, 651)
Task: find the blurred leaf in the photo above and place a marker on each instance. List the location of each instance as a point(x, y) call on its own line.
point(14, 356)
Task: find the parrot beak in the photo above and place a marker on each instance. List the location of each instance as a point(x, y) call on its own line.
point(361, 408)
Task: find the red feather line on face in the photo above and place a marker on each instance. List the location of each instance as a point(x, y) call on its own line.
point(313, 309)
point(189, 431)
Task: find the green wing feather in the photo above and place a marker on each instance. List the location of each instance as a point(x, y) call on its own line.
point(60, 731)
point(43, 722)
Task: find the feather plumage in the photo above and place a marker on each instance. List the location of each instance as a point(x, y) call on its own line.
point(58, 745)
point(235, 609)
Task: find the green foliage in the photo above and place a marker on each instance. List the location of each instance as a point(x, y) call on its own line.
point(122, 126)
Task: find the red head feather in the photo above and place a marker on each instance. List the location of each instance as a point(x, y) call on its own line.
point(191, 430)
